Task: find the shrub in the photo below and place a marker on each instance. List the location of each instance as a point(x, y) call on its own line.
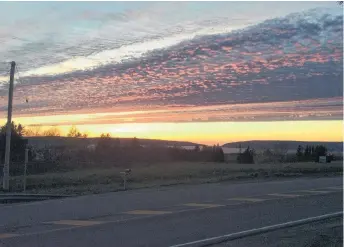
point(247, 157)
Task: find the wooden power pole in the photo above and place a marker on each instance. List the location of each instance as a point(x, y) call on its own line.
point(6, 178)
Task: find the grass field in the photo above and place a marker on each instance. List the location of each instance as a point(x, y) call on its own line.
point(103, 180)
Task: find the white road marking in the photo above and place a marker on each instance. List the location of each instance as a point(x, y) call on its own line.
point(335, 188)
point(203, 205)
point(247, 199)
point(148, 212)
point(284, 195)
point(76, 222)
point(317, 191)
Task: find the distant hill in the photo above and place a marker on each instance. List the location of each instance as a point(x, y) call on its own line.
point(43, 141)
point(291, 145)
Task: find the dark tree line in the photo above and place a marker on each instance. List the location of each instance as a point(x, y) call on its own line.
point(310, 153)
point(18, 143)
point(111, 149)
point(109, 152)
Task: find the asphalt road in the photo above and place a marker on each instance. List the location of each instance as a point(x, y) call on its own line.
point(168, 216)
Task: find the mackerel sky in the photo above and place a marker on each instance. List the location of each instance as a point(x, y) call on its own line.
point(174, 61)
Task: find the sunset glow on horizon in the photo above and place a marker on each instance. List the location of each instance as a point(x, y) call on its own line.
point(211, 133)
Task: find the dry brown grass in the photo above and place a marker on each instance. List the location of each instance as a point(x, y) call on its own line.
point(101, 180)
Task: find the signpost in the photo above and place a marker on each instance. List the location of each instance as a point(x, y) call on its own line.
point(125, 175)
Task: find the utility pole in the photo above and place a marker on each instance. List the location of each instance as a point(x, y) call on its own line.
point(6, 179)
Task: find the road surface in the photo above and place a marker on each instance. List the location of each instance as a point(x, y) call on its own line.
point(169, 216)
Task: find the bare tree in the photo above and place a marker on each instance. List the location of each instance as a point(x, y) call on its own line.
point(53, 131)
point(107, 135)
point(74, 132)
point(33, 131)
point(280, 151)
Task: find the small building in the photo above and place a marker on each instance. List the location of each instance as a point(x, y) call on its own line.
point(231, 154)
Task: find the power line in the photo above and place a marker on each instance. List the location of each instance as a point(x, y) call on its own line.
point(18, 73)
point(7, 66)
point(4, 71)
point(21, 82)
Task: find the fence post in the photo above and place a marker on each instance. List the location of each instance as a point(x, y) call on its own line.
point(25, 167)
point(125, 181)
point(125, 174)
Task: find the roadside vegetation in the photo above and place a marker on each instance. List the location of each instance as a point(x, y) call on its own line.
point(97, 180)
point(96, 169)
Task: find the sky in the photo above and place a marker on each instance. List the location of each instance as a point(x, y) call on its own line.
point(207, 72)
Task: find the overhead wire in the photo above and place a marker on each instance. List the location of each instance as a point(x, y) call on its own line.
point(19, 79)
point(7, 66)
point(4, 70)
point(18, 74)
